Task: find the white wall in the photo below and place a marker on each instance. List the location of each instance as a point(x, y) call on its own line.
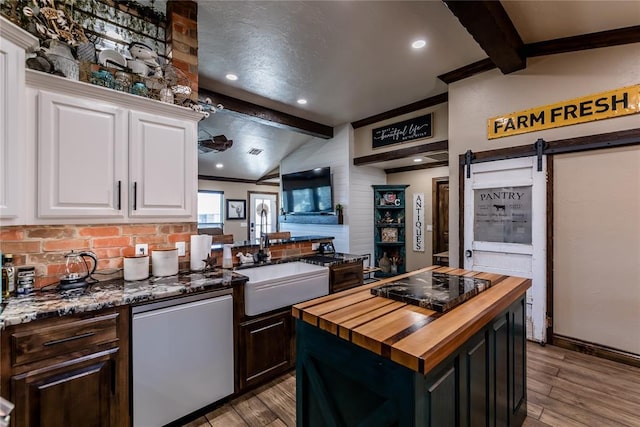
point(363, 177)
point(236, 190)
point(546, 80)
point(334, 153)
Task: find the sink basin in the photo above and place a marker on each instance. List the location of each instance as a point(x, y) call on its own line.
point(281, 285)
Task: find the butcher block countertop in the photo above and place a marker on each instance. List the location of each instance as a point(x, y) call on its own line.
point(412, 336)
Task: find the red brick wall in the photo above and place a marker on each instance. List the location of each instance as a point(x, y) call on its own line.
point(182, 39)
point(44, 246)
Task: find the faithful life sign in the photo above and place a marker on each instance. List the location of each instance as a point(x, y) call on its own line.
point(605, 105)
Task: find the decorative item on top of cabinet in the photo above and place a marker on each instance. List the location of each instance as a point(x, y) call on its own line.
point(389, 229)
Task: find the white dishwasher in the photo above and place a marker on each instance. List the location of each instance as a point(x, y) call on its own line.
point(182, 351)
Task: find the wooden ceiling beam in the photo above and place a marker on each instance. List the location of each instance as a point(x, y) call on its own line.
point(401, 153)
point(267, 116)
point(416, 167)
point(585, 41)
point(409, 108)
point(490, 25)
point(467, 71)
point(237, 180)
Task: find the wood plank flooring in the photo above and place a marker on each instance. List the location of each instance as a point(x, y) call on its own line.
point(565, 389)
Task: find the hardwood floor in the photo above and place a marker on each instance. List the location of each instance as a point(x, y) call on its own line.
point(564, 388)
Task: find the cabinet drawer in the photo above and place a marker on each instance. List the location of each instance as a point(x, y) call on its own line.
point(32, 345)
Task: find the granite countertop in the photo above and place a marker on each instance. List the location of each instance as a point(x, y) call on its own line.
point(433, 290)
point(111, 293)
point(256, 243)
point(326, 260)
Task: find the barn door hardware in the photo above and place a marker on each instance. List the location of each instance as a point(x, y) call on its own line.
point(468, 157)
point(540, 145)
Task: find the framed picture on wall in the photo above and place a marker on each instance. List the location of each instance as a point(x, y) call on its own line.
point(236, 209)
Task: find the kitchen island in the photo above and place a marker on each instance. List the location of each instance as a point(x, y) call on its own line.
point(364, 359)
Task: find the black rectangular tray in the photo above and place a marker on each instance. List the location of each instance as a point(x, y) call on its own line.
point(436, 291)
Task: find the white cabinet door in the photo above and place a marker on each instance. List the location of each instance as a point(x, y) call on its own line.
point(82, 157)
point(162, 166)
point(11, 138)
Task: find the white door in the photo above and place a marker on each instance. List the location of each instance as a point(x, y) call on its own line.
point(505, 228)
point(162, 166)
point(81, 157)
point(263, 214)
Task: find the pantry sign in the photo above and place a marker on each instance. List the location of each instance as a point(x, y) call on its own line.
point(605, 105)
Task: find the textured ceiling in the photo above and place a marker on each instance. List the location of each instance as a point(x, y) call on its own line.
point(350, 60)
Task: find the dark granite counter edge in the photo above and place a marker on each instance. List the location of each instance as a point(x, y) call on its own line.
point(256, 244)
point(111, 293)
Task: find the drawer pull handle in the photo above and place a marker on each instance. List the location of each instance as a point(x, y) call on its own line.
point(67, 339)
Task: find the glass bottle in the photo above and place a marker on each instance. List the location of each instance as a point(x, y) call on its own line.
point(8, 276)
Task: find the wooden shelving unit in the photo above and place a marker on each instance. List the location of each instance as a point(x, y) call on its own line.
point(389, 204)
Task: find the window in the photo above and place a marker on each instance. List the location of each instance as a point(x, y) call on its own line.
point(210, 208)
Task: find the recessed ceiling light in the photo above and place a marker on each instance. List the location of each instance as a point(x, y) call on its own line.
point(418, 44)
point(219, 165)
point(417, 160)
point(302, 101)
point(231, 77)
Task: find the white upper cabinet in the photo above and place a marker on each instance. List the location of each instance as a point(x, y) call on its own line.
point(82, 155)
point(162, 160)
point(13, 42)
point(107, 156)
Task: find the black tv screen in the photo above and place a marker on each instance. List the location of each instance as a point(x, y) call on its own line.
point(307, 192)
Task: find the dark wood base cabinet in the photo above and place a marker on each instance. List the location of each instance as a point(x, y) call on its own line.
point(481, 383)
point(68, 371)
point(267, 348)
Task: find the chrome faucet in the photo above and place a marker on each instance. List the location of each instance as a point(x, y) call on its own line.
point(263, 256)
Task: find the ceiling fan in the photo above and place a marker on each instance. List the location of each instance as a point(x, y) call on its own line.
point(218, 143)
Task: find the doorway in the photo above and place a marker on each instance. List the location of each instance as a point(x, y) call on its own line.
point(440, 218)
point(505, 205)
point(263, 214)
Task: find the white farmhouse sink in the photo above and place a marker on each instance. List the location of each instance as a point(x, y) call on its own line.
point(280, 285)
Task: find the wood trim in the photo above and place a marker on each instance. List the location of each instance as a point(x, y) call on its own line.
point(600, 39)
point(409, 108)
point(238, 180)
point(401, 153)
point(416, 167)
point(597, 350)
point(435, 212)
point(461, 171)
point(270, 176)
point(490, 25)
point(267, 116)
point(568, 145)
point(549, 275)
point(467, 71)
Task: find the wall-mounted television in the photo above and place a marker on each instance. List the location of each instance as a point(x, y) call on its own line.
point(307, 192)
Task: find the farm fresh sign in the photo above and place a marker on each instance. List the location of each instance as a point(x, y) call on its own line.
point(615, 103)
point(408, 130)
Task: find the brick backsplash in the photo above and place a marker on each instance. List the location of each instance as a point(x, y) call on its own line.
point(44, 246)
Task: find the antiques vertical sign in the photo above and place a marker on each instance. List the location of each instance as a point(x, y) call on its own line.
point(502, 215)
point(408, 130)
point(418, 222)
